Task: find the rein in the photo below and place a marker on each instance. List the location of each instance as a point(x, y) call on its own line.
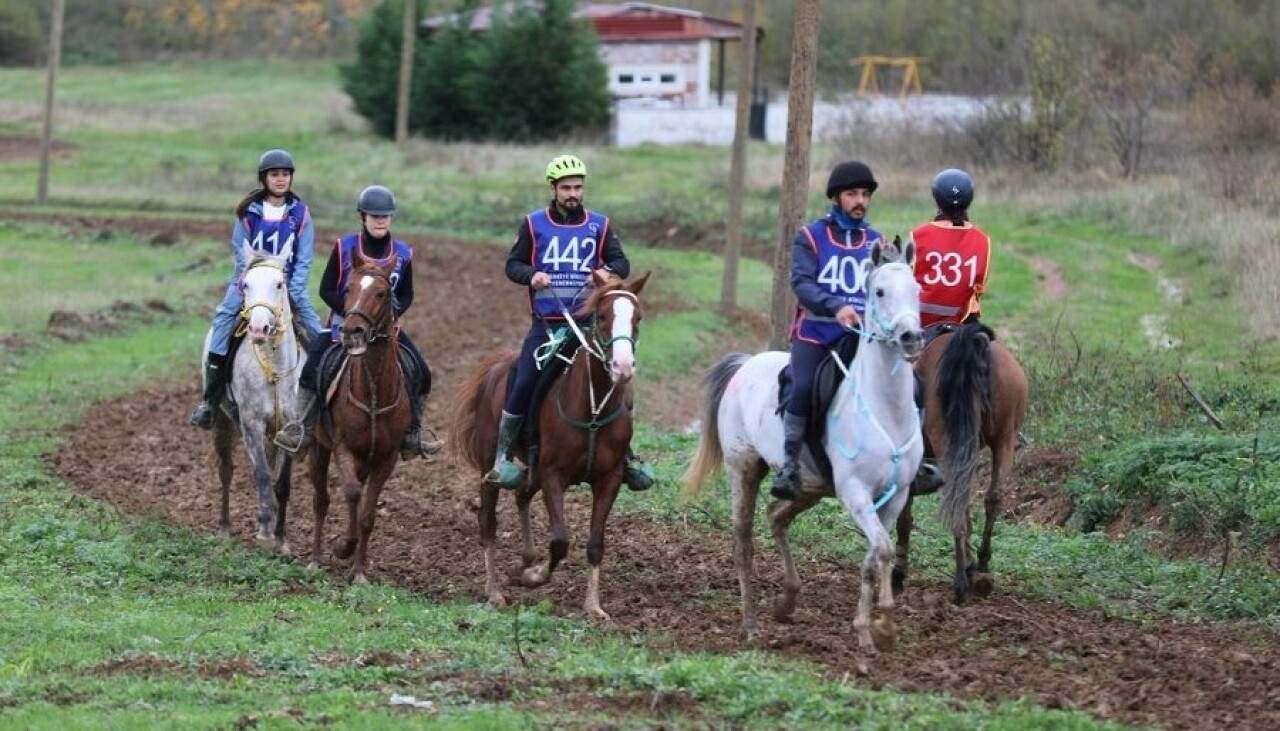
point(280, 313)
point(884, 336)
point(376, 332)
point(599, 352)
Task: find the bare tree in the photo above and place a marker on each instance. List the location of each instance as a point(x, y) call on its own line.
point(738, 162)
point(795, 170)
point(46, 131)
point(407, 36)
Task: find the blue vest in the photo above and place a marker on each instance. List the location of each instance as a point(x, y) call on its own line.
point(568, 253)
point(347, 245)
point(271, 237)
point(843, 266)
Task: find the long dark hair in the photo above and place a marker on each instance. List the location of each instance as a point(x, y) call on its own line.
point(257, 196)
point(958, 217)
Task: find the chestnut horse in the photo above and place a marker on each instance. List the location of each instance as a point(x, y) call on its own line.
point(584, 427)
point(369, 413)
point(975, 396)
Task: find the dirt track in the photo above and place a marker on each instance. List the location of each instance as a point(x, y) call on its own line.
point(676, 583)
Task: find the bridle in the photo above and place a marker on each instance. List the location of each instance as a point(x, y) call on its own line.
point(379, 327)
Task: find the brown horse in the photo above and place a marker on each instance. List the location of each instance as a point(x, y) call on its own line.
point(975, 396)
point(584, 427)
point(369, 412)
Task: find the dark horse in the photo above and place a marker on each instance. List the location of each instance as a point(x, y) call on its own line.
point(369, 414)
point(584, 427)
point(975, 396)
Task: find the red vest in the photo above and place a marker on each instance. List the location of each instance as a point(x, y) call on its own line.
point(951, 267)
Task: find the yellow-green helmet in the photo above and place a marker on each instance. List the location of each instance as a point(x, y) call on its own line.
point(565, 166)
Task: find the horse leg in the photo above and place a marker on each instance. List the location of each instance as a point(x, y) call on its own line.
point(903, 549)
point(283, 490)
point(488, 517)
point(528, 555)
point(781, 513)
point(368, 513)
point(255, 441)
point(320, 508)
point(960, 586)
point(603, 492)
point(352, 489)
point(222, 435)
point(744, 489)
point(876, 567)
point(553, 488)
point(1001, 464)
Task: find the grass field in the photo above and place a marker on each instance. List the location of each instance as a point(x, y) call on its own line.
point(125, 622)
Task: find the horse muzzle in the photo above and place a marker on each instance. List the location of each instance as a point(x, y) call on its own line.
point(355, 340)
point(911, 344)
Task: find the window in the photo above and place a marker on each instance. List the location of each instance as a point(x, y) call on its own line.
point(626, 78)
point(668, 78)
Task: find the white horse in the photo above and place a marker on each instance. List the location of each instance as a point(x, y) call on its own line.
point(264, 384)
point(872, 441)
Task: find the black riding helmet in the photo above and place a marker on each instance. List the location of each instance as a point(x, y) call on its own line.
point(376, 200)
point(952, 190)
point(850, 174)
point(273, 160)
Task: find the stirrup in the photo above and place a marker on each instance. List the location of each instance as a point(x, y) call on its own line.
point(292, 437)
point(201, 416)
point(507, 475)
point(638, 475)
point(432, 446)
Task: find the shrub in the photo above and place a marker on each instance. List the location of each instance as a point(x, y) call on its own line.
point(20, 33)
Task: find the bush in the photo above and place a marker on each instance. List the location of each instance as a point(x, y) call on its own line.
point(20, 34)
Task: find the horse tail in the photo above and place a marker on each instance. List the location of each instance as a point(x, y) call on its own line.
point(964, 388)
point(468, 400)
point(710, 454)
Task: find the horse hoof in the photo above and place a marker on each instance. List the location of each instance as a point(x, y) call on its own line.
point(534, 577)
point(784, 608)
point(266, 543)
point(313, 566)
point(497, 600)
point(598, 614)
point(983, 585)
point(224, 533)
point(884, 634)
point(359, 579)
point(343, 549)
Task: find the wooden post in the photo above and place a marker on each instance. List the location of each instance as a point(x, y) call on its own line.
point(795, 169)
point(407, 36)
point(738, 162)
point(46, 130)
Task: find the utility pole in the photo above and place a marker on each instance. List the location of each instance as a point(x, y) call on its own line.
point(46, 131)
point(738, 162)
point(407, 36)
point(795, 169)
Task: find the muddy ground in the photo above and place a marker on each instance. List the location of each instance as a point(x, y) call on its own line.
point(675, 583)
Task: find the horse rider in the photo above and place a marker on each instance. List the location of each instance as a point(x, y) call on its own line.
point(555, 251)
point(830, 261)
point(374, 243)
point(952, 254)
point(269, 219)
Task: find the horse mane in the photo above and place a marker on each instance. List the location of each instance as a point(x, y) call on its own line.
point(466, 444)
point(593, 300)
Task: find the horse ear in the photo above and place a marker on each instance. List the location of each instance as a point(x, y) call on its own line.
point(390, 265)
point(357, 261)
point(637, 285)
point(877, 253)
point(909, 253)
point(249, 252)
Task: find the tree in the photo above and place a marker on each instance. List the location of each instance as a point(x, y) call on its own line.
point(19, 33)
point(795, 170)
point(371, 79)
point(738, 162)
point(408, 38)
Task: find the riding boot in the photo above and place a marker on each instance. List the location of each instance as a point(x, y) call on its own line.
point(786, 484)
point(928, 479)
point(636, 474)
point(507, 473)
point(412, 445)
point(295, 436)
point(215, 384)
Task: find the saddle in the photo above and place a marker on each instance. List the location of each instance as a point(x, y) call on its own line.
point(552, 367)
point(826, 381)
point(334, 359)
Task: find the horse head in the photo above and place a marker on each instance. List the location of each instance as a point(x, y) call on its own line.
point(615, 304)
point(368, 304)
point(266, 297)
point(893, 297)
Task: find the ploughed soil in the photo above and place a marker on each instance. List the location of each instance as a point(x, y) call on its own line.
point(675, 583)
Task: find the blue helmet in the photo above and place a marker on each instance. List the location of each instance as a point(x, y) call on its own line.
point(952, 190)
